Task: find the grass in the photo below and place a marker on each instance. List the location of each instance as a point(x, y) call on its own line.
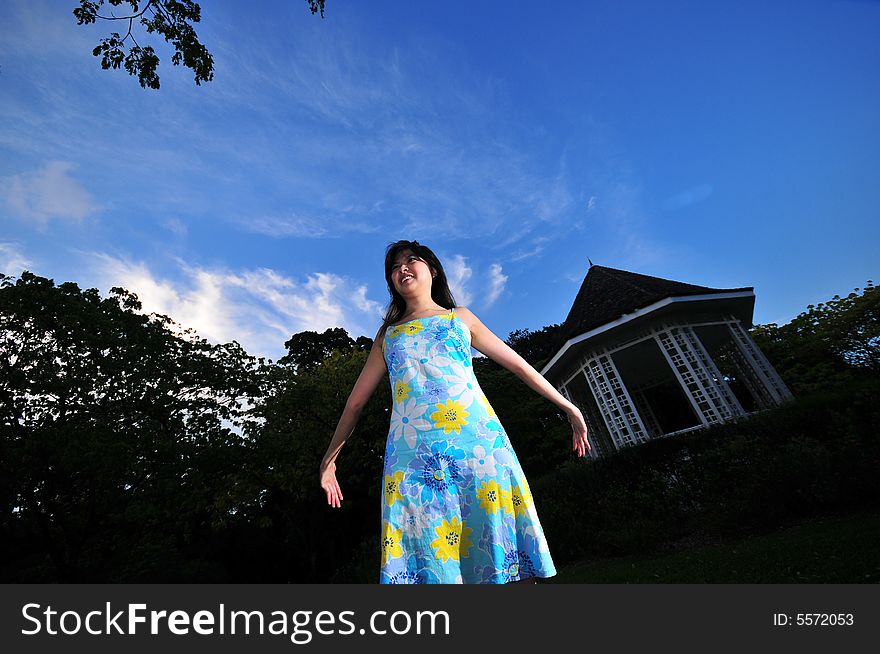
point(824, 549)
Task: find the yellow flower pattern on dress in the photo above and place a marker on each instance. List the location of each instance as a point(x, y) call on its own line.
point(410, 328)
point(401, 391)
point(450, 417)
point(452, 540)
point(413, 327)
point(392, 487)
point(394, 331)
point(391, 548)
point(489, 495)
point(507, 501)
point(521, 499)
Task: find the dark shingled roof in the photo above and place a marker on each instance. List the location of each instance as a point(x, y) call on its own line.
point(608, 293)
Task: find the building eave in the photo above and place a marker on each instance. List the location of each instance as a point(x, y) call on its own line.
point(639, 313)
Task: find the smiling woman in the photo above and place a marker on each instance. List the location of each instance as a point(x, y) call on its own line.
point(456, 506)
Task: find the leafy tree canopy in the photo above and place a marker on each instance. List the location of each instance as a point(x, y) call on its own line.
point(828, 343)
point(536, 347)
point(120, 437)
point(306, 350)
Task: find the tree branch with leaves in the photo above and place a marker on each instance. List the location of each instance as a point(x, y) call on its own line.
point(171, 19)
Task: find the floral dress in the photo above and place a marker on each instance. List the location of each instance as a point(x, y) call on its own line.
point(456, 506)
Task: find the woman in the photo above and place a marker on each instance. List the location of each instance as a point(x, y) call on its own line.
point(456, 506)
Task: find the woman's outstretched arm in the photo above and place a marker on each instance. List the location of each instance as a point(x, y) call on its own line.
point(485, 341)
point(371, 374)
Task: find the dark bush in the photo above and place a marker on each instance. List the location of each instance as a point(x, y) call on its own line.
point(812, 455)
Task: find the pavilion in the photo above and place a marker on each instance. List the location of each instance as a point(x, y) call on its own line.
point(645, 357)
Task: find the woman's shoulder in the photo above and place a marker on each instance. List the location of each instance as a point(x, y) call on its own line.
point(466, 315)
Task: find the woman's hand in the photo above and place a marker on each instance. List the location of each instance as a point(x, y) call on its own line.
point(330, 485)
point(579, 442)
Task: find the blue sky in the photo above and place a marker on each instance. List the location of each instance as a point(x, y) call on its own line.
point(723, 144)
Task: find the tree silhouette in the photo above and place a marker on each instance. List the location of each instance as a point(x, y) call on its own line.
point(306, 350)
point(172, 20)
point(121, 437)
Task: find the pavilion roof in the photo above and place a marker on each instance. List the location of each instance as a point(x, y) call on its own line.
point(608, 293)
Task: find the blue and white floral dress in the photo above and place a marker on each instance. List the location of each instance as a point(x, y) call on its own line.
point(456, 505)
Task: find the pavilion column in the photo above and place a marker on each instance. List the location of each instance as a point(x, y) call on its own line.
point(705, 388)
point(646, 412)
point(761, 377)
point(614, 401)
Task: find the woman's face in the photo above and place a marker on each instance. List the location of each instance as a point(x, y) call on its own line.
point(410, 274)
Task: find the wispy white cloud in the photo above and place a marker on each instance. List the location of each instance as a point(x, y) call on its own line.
point(497, 283)
point(259, 308)
point(631, 245)
point(300, 226)
point(176, 226)
point(41, 31)
point(296, 226)
point(12, 259)
point(46, 194)
point(688, 197)
point(458, 274)
point(554, 200)
point(538, 244)
point(591, 203)
point(369, 129)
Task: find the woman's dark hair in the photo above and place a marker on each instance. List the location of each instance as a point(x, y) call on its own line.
point(440, 292)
